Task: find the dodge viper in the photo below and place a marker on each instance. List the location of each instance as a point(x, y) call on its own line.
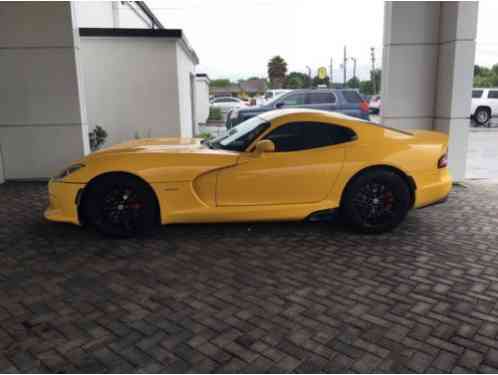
point(281, 165)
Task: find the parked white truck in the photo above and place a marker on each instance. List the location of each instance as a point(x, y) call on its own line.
point(484, 104)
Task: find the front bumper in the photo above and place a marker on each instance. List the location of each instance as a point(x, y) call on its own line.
point(63, 205)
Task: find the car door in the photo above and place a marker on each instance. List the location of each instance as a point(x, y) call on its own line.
point(307, 160)
point(493, 101)
point(325, 101)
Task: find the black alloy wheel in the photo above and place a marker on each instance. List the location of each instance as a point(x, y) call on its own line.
point(376, 201)
point(120, 206)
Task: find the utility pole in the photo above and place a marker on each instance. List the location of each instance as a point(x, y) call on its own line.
point(372, 73)
point(331, 78)
point(344, 65)
point(354, 59)
point(309, 75)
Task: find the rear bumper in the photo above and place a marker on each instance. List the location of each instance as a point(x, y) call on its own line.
point(442, 200)
point(63, 202)
point(432, 188)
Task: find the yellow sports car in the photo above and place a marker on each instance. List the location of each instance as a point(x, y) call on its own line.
point(281, 165)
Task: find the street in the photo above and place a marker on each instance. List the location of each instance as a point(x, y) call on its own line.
point(482, 154)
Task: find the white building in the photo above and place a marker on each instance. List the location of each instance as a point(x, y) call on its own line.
point(50, 77)
point(83, 64)
point(202, 98)
point(138, 82)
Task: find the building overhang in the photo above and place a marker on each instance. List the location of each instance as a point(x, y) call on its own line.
point(141, 33)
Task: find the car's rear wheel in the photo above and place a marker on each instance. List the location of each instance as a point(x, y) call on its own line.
point(120, 205)
point(482, 116)
point(376, 201)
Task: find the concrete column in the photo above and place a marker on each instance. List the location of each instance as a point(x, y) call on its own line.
point(42, 116)
point(455, 72)
point(427, 68)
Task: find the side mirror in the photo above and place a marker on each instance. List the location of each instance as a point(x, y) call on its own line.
point(265, 146)
point(279, 105)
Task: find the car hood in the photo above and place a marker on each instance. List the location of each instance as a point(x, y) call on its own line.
point(155, 160)
point(162, 145)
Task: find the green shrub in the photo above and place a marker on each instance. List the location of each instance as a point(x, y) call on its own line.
point(97, 137)
point(215, 114)
point(206, 135)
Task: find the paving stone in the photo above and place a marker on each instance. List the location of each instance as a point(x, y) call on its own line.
point(470, 359)
point(269, 297)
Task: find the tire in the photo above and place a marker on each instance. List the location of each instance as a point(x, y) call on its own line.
point(482, 116)
point(120, 205)
point(376, 201)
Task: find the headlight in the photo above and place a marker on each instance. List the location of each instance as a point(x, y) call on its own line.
point(69, 170)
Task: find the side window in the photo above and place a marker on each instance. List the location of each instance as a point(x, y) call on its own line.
point(493, 94)
point(287, 137)
point(297, 136)
point(351, 96)
point(321, 98)
point(476, 94)
point(294, 99)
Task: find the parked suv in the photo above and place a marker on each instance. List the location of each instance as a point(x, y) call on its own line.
point(348, 102)
point(484, 105)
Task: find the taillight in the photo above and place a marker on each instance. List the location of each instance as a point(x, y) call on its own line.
point(364, 106)
point(443, 161)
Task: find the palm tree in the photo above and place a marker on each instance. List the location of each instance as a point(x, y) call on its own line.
point(277, 69)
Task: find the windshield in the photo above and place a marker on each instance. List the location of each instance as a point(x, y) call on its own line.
point(240, 137)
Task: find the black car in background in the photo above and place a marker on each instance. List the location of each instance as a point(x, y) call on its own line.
point(348, 102)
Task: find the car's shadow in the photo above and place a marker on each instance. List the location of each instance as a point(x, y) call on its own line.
point(61, 241)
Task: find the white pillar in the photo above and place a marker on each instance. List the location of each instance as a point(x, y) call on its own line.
point(427, 68)
point(455, 71)
point(42, 117)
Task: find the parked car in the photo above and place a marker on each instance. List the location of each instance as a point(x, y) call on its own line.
point(484, 104)
point(348, 102)
point(375, 104)
point(281, 165)
point(227, 103)
point(273, 94)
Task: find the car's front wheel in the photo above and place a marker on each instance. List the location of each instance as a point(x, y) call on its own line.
point(376, 201)
point(120, 205)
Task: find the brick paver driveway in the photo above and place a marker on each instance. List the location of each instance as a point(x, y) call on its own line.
point(275, 297)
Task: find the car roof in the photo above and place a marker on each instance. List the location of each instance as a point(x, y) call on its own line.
point(271, 115)
point(322, 90)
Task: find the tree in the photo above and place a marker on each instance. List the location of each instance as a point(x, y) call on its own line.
point(297, 80)
point(485, 77)
point(375, 76)
point(317, 81)
point(222, 82)
point(353, 83)
point(277, 69)
point(366, 87)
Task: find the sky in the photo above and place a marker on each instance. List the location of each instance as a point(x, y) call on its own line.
point(236, 38)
